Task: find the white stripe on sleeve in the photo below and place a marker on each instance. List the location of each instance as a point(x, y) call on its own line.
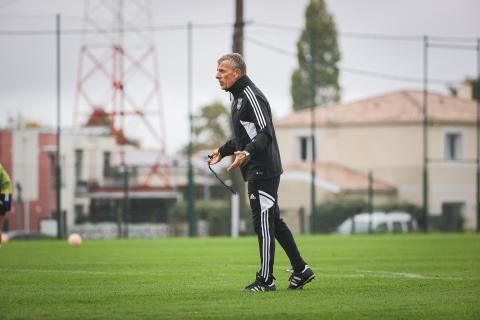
point(256, 107)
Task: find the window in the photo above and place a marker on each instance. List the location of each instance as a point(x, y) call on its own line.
point(305, 148)
point(453, 208)
point(453, 146)
point(79, 214)
point(453, 215)
point(107, 166)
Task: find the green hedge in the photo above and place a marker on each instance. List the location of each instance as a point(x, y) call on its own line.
point(215, 212)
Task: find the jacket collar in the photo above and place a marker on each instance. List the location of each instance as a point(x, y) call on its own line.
point(237, 88)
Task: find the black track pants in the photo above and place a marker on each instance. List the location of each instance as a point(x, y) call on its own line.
point(269, 226)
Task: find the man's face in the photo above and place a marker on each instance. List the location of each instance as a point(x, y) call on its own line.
point(226, 75)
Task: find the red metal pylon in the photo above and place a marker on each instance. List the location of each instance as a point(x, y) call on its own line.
point(118, 75)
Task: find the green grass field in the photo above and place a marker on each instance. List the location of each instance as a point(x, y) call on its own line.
point(360, 277)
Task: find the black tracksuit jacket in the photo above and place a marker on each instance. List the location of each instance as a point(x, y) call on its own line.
point(253, 132)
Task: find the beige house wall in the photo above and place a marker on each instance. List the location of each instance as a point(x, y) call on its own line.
point(394, 154)
point(453, 181)
point(437, 140)
point(294, 197)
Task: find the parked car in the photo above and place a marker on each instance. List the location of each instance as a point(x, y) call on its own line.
point(378, 222)
point(26, 235)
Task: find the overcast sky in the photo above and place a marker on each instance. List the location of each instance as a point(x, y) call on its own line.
point(27, 62)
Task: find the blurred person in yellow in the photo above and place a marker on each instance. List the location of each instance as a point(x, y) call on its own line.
point(5, 196)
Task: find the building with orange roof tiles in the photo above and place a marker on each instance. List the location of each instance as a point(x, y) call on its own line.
point(384, 135)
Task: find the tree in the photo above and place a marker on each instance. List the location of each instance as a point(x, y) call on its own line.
point(318, 55)
point(476, 90)
point(210, 127)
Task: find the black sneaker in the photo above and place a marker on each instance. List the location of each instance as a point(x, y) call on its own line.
point(298, 280)
point(260, 285)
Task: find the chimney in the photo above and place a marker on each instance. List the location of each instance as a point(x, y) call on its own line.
point(465, 89)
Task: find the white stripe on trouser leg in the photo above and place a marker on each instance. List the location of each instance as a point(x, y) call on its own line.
point(266, 258)
point(267, 264)
point(264, 272)
point(266, 202)
point(263, 193)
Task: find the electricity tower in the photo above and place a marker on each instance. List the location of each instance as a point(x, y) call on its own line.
point(118, 78)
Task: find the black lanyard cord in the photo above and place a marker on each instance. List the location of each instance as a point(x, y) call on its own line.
point(226, 186)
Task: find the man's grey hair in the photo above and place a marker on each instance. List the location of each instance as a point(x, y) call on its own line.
point(236, 60)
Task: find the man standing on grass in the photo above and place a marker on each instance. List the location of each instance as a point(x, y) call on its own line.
point(5, 196)
point(254, 145)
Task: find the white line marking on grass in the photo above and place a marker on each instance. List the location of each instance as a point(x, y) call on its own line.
point(341, 275)
point(76, 272)
point(387, 274)
point(362, 273)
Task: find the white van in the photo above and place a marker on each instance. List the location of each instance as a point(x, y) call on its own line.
point(378, 222)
